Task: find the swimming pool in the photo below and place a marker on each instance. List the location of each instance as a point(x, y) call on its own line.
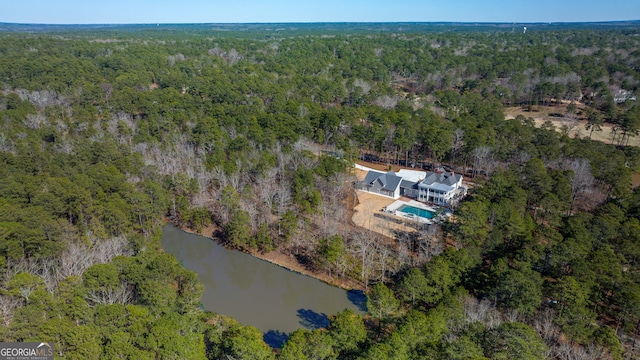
point(417, 211)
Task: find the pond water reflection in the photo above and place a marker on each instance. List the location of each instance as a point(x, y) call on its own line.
point(255, 292)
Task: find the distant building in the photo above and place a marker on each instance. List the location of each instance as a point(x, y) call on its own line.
point(623, 95)
point(439, 187)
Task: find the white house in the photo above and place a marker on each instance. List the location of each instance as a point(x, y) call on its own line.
point(622, 96)
point(440, 188)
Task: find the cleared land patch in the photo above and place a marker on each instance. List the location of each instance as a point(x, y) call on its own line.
point(555, 114)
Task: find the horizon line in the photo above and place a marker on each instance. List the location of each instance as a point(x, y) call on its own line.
point(328, 22)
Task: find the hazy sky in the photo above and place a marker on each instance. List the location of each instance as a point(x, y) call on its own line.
point(234, 11)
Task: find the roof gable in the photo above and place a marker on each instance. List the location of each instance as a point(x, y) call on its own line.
point(389, 181)
point(448, 179)
point(393, 181)
point(371, 177)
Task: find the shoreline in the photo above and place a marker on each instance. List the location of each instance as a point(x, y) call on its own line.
point(278, 258)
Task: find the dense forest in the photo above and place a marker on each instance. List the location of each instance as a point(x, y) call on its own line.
point(107, 133)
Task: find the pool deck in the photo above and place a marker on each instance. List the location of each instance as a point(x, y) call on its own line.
point(393, 209)
point(365, 213)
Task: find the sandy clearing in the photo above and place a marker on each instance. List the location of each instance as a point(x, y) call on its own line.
point(577, 127)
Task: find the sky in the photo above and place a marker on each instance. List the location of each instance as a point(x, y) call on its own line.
point(269, 11)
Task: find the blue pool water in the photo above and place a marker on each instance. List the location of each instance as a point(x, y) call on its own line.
point(417, 211)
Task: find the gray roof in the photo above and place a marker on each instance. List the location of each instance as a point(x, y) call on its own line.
point(388, 181)
point(408, 184)
point(448, 179)
point(371, 176)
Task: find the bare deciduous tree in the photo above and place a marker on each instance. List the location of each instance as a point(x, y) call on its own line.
point(581, 180)
point(403, 255)
point(35, 121)
point(482, 160)
point(252, 210)
point(570, 351)
point(233, 56)
point(8, 304)
point(513, 315)
point(387, 102)
point(108, 91)
point(269, 187)
point(79, 256)
point(365, 86)
point(122, 127)
point(43, 98)
point(362, 245)
point(545, 326)
point(429, 243)
point(6, 145)
point(481, 311)
point(456, 144)
point(64, 147)
point(120, 295)
point(383, 260)
point(217, 51)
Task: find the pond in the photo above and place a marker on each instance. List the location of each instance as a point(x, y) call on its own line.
point(255, 292)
